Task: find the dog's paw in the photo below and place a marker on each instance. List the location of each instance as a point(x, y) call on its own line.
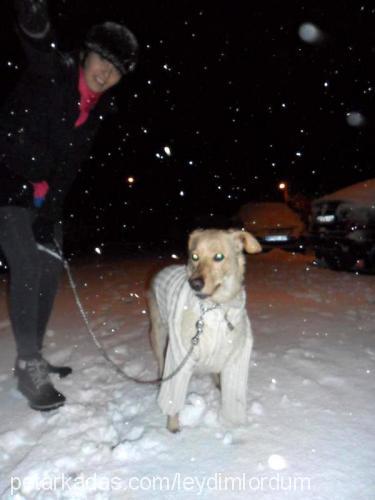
point(173, 424)
point(174, 431)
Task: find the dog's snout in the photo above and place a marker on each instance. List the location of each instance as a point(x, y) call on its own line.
point(196, 284)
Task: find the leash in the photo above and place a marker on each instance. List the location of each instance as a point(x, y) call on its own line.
point(199, 325)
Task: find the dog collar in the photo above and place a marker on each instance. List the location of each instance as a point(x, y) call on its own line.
point(199, 325)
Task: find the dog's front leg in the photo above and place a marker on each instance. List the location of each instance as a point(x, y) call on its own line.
point(234, 382)
point(173, 423)
point(173, 390)
point(158, 332)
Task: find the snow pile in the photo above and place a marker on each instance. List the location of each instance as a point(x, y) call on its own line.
point(361, 193)
point(258, 217)
point(310, 396)
point(357, 204)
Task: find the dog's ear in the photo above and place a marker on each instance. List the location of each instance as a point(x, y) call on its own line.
point(193, 237)
point(247, 242)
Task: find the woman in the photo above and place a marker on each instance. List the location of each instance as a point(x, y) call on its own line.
point(47, 127)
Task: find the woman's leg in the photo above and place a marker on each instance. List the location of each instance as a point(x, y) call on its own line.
point(24, 261)
point(51, 268)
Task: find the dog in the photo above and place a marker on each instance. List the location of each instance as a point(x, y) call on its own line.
point(204, 301)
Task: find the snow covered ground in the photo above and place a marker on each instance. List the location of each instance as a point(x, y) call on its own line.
point(310, 431)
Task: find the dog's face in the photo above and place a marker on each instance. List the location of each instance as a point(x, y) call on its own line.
point(216, 264)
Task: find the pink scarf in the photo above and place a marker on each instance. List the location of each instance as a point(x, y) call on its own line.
point(88, 99)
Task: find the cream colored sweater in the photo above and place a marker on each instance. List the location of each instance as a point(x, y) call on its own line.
point(220, 349)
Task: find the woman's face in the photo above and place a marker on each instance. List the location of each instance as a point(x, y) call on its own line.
point(99, 73)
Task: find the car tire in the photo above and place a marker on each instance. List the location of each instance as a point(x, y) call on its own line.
point(328, 260)
point(340, 261)
point(334, 262)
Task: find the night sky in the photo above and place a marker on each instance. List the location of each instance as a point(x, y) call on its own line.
point(227, 101)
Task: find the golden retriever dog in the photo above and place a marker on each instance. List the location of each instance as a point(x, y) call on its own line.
point(199, 322)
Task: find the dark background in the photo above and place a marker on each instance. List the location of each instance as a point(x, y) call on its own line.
point(241, 101)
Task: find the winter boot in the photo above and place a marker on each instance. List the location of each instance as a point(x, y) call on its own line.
point(34, 383)
point(62, 371)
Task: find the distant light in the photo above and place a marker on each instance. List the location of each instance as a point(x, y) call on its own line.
point(174, 256)
point(167, 150)
point(355, 119)
point(282, 185)
point(131, 180)
point(182, 193)
point(310, 33)
point(326, 218)
point(98, 251)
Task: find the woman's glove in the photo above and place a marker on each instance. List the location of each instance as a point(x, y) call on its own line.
point(40, 192)
point(32, 16)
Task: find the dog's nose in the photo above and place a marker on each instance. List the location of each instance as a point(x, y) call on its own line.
point(196, 284)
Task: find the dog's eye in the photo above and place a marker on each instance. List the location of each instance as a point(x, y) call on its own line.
point(218, 257)
point(194, 257)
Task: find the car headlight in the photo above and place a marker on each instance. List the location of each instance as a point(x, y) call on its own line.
point(276, 237)
point(327, 219)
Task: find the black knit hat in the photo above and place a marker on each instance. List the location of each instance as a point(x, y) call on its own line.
point(116, 43)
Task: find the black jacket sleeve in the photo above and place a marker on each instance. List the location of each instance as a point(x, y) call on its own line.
point(32, 17)
point(26, 115)
point(37, 37)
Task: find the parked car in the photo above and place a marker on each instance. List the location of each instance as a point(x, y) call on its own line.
point(342, 228)
point(274, 224)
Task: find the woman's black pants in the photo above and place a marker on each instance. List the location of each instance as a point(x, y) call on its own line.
point(34, 277)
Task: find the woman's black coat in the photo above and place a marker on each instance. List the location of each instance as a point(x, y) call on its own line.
point(38, 140)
